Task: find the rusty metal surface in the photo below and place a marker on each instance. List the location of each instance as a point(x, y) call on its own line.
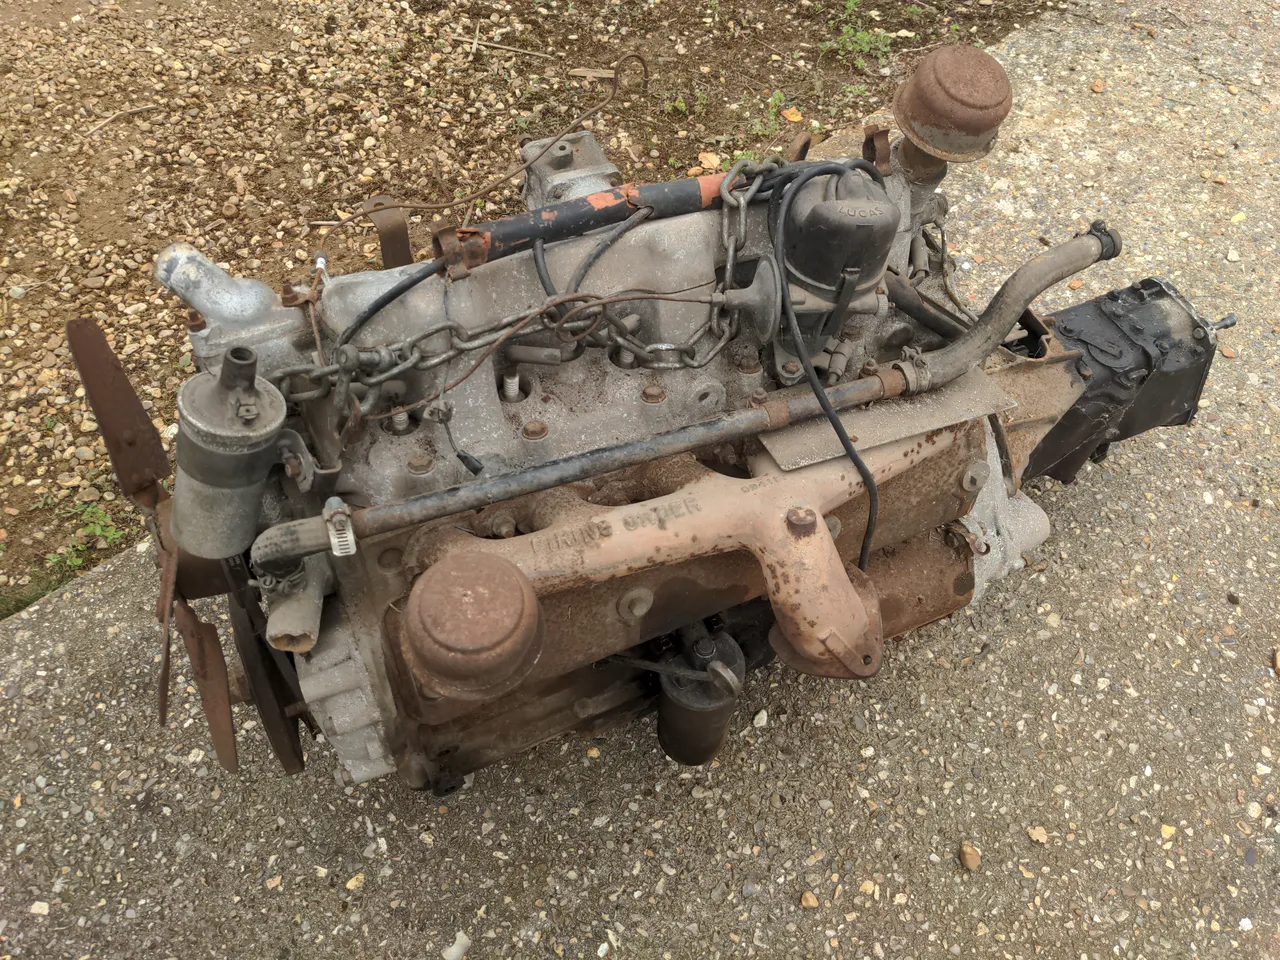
point(589, 698)
point(209, 670)
point(926, 496)
point(1044, 388)
point(594, 556)
point(393, 231)
point(971, 397)
point(799, 147)
point(875, 146)
point(823, 614)
point(133, 443)
point(920, 580)
point(952, 105)
point(471, 627)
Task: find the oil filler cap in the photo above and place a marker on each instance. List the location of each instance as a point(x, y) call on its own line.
point(472, 626)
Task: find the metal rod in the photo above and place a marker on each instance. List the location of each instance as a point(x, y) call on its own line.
point(280, 547)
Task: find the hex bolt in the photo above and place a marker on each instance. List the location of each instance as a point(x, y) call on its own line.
point(421, 464)
point(801, 519)
point(759, 397)
point(635, 603)
point(535, 430)
point(292, 467)
point(870, 368)
point(195, 322)
point(791, 368)
point(400, 421)
point(653, 394)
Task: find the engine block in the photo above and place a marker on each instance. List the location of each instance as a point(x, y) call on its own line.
point(615, 452)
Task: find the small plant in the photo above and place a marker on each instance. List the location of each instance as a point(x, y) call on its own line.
point(675, 106)
point(769, 125)
point(701, 105)
point(853, 39)
point(98, 524)
point(67, 561)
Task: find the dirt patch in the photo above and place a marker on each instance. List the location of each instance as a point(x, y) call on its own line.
point(265, 122)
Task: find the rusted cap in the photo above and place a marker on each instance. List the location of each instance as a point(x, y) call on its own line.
point(472, 626)
point(952, 106)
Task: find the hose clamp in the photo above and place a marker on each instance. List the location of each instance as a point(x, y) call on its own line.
point(337, 520)
point(1108, 239)
point(914, 369)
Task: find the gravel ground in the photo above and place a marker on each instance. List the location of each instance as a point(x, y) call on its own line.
point(1101, 730)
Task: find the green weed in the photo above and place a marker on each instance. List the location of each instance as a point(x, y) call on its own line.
point(769, 125)
point(854, 39)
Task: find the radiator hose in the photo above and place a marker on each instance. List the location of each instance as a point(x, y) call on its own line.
point(939, 367)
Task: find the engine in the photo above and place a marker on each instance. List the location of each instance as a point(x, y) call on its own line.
point(604, 457)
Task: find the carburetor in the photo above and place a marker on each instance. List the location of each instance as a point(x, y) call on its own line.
point(610, 455)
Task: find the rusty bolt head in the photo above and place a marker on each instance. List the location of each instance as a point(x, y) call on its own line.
point(293, 467)
point(791, 368)
point(421, 464)
point(535, 430)
point(759, 397)
point(870, 368)
point(801, 519)
point(503, 525)
point(653, 394)
point(1085, 370)
point(195, 322)
point(953, 104)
